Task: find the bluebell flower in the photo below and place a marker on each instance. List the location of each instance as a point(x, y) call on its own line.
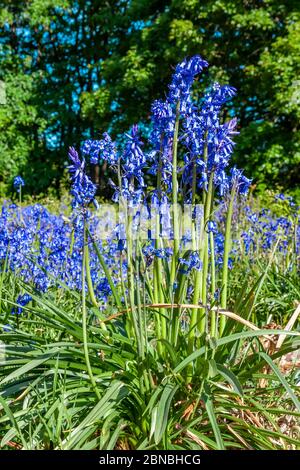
point(77, 167)
point(191, 262)
point(83, 189)
point(161, 138)
point(182, 80)
point(211, 226)
point(203, 130)
point(18, 183)
point(150, 251)
point(133, 157)
point(131, 187)
point(103, 289)
point(241, 182)
point(22, 301)
point(7, 328)
point(104, 149)
point(280, 197)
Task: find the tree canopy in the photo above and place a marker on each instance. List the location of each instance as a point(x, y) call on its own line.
point(73, 69)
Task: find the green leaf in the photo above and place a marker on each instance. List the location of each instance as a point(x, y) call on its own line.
point(281, 379)
point(114, 394)
point(213, 421)
point(14, 424)
point(29, 366)
point(231, 378)
point(163, 408)
point(230, 339)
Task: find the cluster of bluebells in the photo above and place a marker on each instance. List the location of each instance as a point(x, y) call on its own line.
point(263, 230)
point(182, 81)
point(46, 249)
point(206, 144)
point(98, 150)
point(149, 251)
point(259, 231)
point(132, 164)
point(209, 143)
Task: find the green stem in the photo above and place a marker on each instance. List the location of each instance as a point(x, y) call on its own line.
point(194, 187)
point(90, 282)
point(174, 199)
point(89, 278)
point(123, 283)
point(72, 242)
point(194, 183)
point(141, 319)
point(84, 319)
point(20, 202)
point(130, 280)
point(160, 316)
point(227, 247)
point(106, 272)
point(213, 283)
point(175, 314)
point(198, 278)
point(207, 212)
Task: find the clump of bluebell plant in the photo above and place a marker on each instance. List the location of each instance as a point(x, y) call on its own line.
point(188, 156)
point(137, 315)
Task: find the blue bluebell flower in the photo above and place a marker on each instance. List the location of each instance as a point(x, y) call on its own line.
point(83, 189)
point(191, 262)
point(18, 183)
point(211, 226)
point(104, 149)
point(241, 182)
point(182, 80)
point(133, 157)
point(22, 301)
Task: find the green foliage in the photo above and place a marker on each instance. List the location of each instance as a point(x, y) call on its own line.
point(47, 400)
point(18, 123)
point(151, 393)
point(76, 68)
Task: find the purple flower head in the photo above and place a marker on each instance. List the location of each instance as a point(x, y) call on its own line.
point(163, 121)
point(22, 301)
point(203, 133)
point(161, 111)
point(83, 192)
point(211, 226)
point(86, 147)
point(220, 146)
point(192, 262)
point(18, 182)
point(161, 138)
point(182, 80)
point(239, 180)
point(100, 149)
point(133, 151)
point(83, 189)
point(134, 158)
point(77, 167)
point(103, 289)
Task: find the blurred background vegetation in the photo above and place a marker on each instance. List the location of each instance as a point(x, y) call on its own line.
point(72, 69)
